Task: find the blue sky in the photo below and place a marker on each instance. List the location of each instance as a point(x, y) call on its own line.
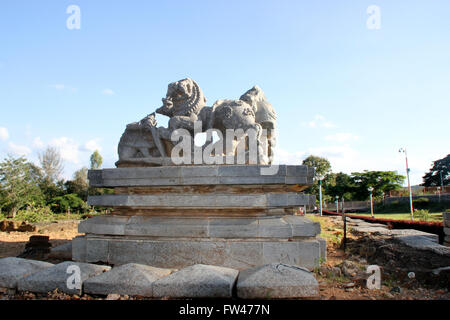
point(341, 90)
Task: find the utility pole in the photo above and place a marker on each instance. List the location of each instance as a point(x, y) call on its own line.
point(409, 184)
point(371, 200)
point(337, 204)
point(320, 177)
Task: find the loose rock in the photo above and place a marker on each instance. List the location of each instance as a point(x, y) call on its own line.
point(197, 281)
point(62, 277)
point(13, 269)
point(128, 279)
point(276, 281)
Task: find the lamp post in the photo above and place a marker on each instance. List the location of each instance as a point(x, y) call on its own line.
point(320, 178)
point(337, 204)
point(371, 200)
point(439, 192)
point(409, 184)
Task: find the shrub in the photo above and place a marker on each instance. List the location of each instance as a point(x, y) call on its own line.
point(422, 214)
point(34, 214)
point(62, 204)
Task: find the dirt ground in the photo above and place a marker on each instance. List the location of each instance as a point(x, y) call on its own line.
point(335, 279)
point(13, 243)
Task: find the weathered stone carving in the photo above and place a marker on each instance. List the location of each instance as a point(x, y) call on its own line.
point(251, 118)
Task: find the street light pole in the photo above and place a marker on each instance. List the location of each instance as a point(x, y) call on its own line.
point(337, 204)
point(320, 177)
point(371, 201)
point(409, 184)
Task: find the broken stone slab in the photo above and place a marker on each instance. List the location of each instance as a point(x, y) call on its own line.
point(412, 232)
point(368, 229)
point(197, 281)
point(276, 280)
point(423, 243)
point(62, 252)
point(13, 269)
point(62, 276)
point(128, 279)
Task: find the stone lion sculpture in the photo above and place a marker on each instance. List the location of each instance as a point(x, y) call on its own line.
point(145, 144)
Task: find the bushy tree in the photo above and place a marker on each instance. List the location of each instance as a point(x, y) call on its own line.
point(62, 204)
point(440, 168)
point(96, 160)
point(322, 168)
point(380, 181)
point(19, 184)
point(342, 186)
point(79, 184)
point(322, 165)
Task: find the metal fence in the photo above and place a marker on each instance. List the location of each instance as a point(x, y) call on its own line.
point(347, 205)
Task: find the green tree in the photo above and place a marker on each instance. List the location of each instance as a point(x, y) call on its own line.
point(380, 181)
point(19, 184)
point(79, 184)
point(322, 165)
point(71, 201)
point(96, 160)
point(440, 168)
point(322, 168)
point(343, 186)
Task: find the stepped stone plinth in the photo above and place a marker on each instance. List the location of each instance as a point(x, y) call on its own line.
point(172, 217)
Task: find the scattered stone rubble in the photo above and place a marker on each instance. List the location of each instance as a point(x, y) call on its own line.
point(399, 252)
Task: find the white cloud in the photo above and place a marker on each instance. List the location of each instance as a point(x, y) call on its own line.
point(67, 147)
point(108, 92)
point(319, 121)
point(92, 145)
point(57, 86)
point(61, 86)
point(342, 137)
point(38, 143)
point(19, 150)
point(4, 134)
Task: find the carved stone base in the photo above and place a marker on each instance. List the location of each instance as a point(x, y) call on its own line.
point(173, 217)
point(179, 242)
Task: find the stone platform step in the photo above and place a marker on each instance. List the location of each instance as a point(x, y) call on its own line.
point(178, 253)
point(203, 201)
point(202, 175)
point(280, 227)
